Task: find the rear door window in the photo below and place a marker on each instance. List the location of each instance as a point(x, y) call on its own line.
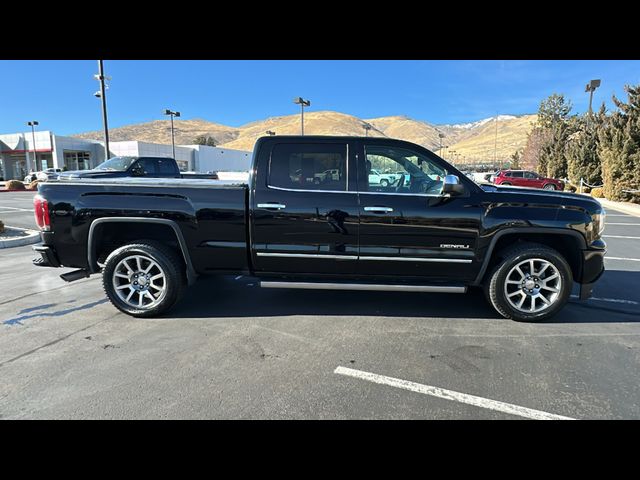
point(308, 167)
point(148, 165)
point(166, 166)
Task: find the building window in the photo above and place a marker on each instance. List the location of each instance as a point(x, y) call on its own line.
point(77, 160)
point(183, 165)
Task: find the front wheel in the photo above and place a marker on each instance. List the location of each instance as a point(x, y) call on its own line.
point(549, 186)
point(532, 283)
point(384, 183)
point(144, 279)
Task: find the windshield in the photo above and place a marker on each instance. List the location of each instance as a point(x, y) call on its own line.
point(119, 164)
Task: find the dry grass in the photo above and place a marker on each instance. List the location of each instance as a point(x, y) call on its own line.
point(476, 143)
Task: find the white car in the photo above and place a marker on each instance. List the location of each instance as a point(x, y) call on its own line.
point(44, 175)
point(382, 179)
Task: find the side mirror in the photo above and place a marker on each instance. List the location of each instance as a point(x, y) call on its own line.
point(452, 185)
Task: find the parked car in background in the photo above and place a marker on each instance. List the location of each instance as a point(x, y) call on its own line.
point(526, 178)
point(147, 167)
point(383, 179)
point(44, 175)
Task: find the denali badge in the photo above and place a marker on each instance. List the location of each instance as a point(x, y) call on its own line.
point(451, 245)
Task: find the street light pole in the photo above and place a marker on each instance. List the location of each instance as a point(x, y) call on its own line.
point(303, 103)
point(366, 127)
point(33, 124)
point(103, 97)
point(172, 114)
point(441, 135)
point(591, 87)
point(271, 133)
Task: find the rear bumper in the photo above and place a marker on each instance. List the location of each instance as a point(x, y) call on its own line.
point(46, 256)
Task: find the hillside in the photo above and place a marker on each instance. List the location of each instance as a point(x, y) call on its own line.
point(315, 123)
point(159, 131)
point(480, 143)
point(408, 129)
point(476, 141)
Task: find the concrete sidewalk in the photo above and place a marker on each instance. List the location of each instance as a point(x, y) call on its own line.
point(626, 207)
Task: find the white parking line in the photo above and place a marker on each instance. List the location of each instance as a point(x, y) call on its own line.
point(621, 236)
point(618, 215)
point(450, 395)
point(615, 300)
point(620, 258)
point(6, 212)
point(636, 224)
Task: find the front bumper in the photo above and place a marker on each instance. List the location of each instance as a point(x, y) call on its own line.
point(47, 256)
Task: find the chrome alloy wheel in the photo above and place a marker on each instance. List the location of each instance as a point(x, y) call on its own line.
point(533, 285)
point(139, 281)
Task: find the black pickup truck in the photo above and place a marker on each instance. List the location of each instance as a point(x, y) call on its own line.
point(293, 225)
point(129, 166)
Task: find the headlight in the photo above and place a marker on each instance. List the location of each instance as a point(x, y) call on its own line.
point(598, 221)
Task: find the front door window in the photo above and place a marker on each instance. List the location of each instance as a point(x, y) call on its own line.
point(399, 170)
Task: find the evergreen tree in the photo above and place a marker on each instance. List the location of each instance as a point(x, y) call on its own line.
point(619, 148)
point(553, 115)
point(515, 161)
point(544, 150)
point(205, 140)
point(581, 149)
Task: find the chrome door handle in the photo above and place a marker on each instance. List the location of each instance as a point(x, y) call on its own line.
point(378, 209)
point(274, 206)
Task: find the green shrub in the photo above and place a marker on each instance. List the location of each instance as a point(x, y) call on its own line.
point(597, 193)
point(569, 188)
point(586, 190)
point(14, 185)
point(33, 185)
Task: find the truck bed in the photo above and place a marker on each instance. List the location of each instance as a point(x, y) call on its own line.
point(211, 214)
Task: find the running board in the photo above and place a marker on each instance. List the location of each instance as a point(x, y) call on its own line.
point(365, 286)
point(74, 275)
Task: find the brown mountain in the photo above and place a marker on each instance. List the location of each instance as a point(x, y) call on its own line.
point(475, 141)
point(159, 131)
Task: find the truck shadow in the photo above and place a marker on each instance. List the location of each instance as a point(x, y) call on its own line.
point(225, 297)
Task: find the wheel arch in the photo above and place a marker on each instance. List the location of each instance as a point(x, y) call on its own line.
point(169, 225)
point(568, 243)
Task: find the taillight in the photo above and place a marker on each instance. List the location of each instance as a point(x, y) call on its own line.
point(41, 212)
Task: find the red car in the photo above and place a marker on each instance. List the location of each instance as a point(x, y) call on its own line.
point(525, 178)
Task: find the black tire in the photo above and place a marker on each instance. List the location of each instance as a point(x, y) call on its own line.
point(494, 284)
point(384, 182)
point(549, 186)
point(167, 261)
point(506, 183)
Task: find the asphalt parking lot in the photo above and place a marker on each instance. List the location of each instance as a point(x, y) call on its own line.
point(233, 350)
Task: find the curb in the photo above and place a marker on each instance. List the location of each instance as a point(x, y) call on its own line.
point(33, 237)
point(629, 208)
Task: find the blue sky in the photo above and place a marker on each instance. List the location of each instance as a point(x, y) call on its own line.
point(59, 94)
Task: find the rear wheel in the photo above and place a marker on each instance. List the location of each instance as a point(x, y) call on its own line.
point(384, 182)
point(532, 283)
point(549, 186)
point(505, 183)
point(143, 279)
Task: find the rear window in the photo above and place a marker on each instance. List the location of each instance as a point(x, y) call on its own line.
point(309, 167)
point(166, 166)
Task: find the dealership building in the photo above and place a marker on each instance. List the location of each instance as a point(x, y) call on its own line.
point(70, 153)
